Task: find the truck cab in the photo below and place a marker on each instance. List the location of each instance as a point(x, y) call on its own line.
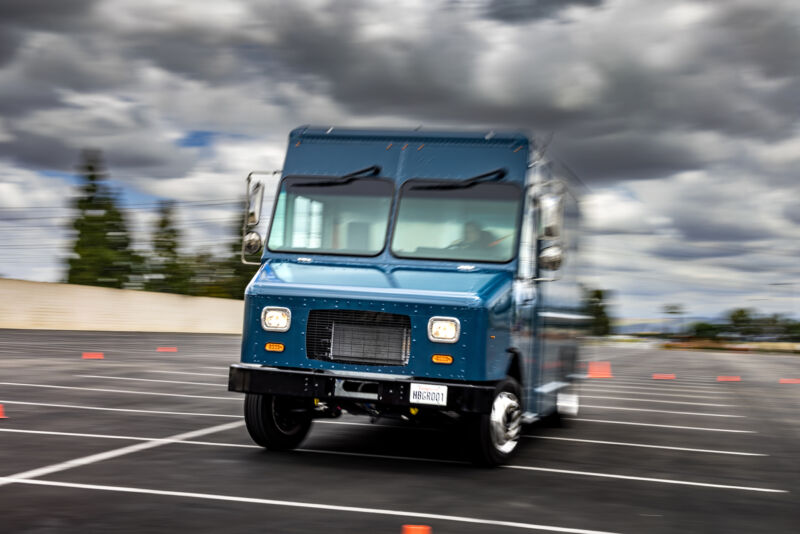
point(410, 274)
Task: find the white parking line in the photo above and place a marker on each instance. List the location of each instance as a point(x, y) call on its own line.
point(657, 411)
point(677, 381)
point(359, 454)
point(218, 384)
point(115, 453)
point(651, 393)
point(678, 378)
point(128, 410)
point(219, 444)
point(643, 479)
point(662, 426)
point(306, 505)
point(648, 446)
point(659, 401)
point(126, 438)
point(217, 375)
point(382, 456)
point(653, 385)
point(126, 391)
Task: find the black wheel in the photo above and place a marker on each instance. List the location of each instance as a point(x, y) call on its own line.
point(275, 422)
point(495, 436)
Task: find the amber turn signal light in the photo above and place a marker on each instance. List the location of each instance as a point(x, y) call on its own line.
point(442, 358)
point(274, 347)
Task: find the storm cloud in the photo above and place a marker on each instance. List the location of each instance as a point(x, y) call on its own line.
point(681, 117)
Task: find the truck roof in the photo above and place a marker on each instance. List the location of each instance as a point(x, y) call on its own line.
point(406, 154)
point(418, 134)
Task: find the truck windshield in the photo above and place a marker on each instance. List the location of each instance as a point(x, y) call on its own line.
point(322, 215)
point(448, 221)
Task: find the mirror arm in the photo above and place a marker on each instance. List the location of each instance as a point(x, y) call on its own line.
point(244, 259)
point(245, 226)
point(552, 279)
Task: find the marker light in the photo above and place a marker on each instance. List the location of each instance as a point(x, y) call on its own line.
point(442, 358)
point(274, 347)
point(443, 329)
point(276, 319)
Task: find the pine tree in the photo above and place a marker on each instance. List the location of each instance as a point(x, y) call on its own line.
point(169, 271)
point(102, 254)
point(595, 306)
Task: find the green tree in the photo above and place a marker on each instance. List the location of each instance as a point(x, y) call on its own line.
point(705, 330)
point(168, 271)
point(741, 319)
point(595, 306)
point(101, 254)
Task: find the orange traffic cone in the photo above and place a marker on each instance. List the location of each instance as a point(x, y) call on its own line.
point(417, 529)
point(600, 370)
point(2, 413)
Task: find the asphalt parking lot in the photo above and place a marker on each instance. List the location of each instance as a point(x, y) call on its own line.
point(150, 441)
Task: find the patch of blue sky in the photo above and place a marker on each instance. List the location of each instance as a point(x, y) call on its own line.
point(197, 139)
point(134, 198)
point(129, 197)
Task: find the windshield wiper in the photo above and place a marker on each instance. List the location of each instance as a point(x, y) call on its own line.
point(373, 170)
point(491, 176)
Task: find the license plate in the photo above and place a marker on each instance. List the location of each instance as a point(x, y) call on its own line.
point(428, 394)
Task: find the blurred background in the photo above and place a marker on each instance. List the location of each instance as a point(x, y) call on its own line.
point(127, 128)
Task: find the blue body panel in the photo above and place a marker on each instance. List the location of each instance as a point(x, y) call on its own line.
point(499, 317)
point(418, 293)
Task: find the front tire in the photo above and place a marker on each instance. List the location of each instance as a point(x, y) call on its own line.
point(275, 422)
point(495, 436)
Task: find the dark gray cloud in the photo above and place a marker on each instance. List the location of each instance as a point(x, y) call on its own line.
point(627, 155)
point(704, 227)
point(517, 11)
point(401, 74)
point(792, 213)
point(633, 127)
point(633, 92)
point(9, 41)
point(781, 265)
point(19, 16)
point(41, 151)
point(694, 251)
point(759, 35)
point(44, 14)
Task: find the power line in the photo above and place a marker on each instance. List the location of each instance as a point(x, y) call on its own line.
point(141, 208)
point(141, 205)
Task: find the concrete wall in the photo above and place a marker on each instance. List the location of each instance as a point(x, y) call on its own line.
point(40, 305)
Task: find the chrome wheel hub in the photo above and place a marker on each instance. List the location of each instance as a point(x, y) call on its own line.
point(505, 422)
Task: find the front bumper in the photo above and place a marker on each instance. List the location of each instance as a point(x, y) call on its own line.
point(329, 386)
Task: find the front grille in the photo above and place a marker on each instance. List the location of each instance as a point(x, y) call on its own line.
point(356, 336)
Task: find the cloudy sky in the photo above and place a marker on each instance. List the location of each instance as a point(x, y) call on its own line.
point(680, 116)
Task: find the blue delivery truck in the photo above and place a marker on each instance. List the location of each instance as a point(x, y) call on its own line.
point(410, 274)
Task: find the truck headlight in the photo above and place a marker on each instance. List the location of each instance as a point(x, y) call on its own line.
point(276, 319)
point(444, 329)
